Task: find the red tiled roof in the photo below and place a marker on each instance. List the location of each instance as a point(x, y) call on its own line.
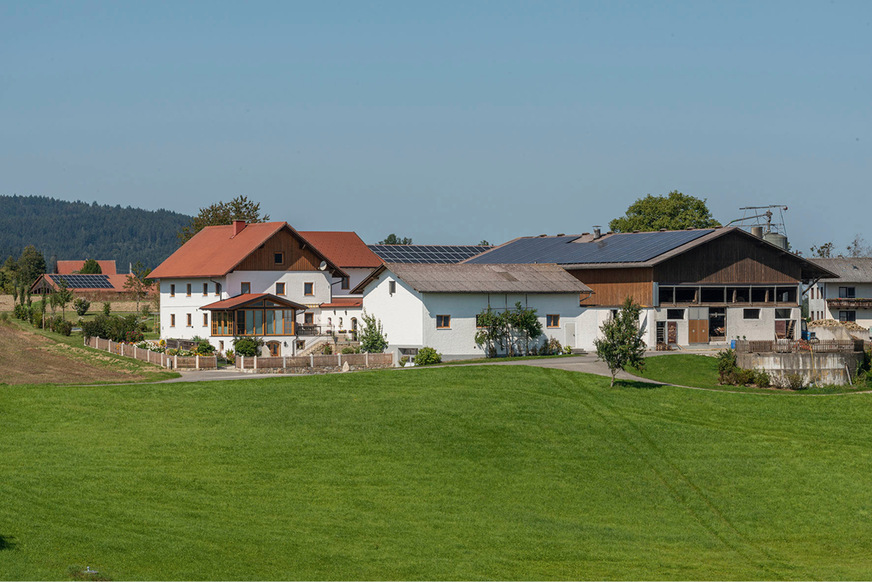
point(215, 251)
point(346, 249)
point(67, 267)
point(245, 298)
point(340, 302)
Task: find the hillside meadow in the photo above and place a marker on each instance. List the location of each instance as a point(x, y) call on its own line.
point(491, 472)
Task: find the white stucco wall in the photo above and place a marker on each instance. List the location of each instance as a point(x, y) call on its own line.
point(180, 305)
point(265, 282)
point(355, 276)
point(831, 291)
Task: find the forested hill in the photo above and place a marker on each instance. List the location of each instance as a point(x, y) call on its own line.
point(78, 230)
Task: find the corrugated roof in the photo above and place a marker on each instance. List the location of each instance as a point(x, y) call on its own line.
point(848, 269)
point(215, 251)
point(466, 278)
point(346, 249)
point(246, 298)
point(613, 248)
point(427, 253)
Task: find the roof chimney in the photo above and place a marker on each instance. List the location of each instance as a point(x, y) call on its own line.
point(238, 226)
point(596, 232)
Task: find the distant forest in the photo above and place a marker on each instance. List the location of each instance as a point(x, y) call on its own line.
point(77, 230)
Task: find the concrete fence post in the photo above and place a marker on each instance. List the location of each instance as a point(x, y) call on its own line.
point(339, 360)
point(311, 360)
point(122, 349)
point(197, 362)
point(284, 362)
point(366, 359)
point(175, 362)
point(241, 362)
point(255, 363)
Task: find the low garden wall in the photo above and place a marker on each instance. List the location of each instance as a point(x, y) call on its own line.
point(814, 368)
point(314, 364)
point(131, 351)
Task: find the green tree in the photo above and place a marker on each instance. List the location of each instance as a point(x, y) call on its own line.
point(240, 208)
point(621, 344)
point(490, 331)
point(64, 296)
point(675, 211)
point(31, 264)
point(484, 243)
point(824, 251)
point(91, 267)
point(393, 239)
point(372, 336)
point(138, 283)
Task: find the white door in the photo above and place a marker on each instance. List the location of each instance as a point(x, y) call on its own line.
point(570, 335)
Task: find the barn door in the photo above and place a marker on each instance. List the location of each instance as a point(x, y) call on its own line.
point(698, 325)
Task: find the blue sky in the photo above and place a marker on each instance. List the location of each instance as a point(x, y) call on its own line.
point(446, 122)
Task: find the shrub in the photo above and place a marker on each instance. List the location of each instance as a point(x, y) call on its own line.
point(794, 381)
point(349, 350)
point(551, 347)
point(107, 307)
point(744, 377)
point(133, 336)
point(81, 305)
point(247, 346)
point(328, 350)
point(4, 318)
point(63, 327)
point(404, 360)
point(111, 327)
point(229, 354)
point(428, 356)
point(204, 348)
point(727, 366)
point(372, 337)
point(761, 379)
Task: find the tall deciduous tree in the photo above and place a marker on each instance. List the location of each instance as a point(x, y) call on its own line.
point(240, 208)
point(675, 211)
point(91, 267)
point(393, 239)
point(372, 337)
point(137, 282)
point(31, 264)
point(621, 344)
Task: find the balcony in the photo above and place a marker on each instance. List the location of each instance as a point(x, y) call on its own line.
point(852, 303)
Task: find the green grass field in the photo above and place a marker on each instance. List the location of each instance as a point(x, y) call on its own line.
point(505, 472)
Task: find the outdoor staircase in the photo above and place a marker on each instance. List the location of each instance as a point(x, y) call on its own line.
point(316, 347)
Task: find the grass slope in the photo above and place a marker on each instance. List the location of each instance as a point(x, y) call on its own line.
point(452, 473)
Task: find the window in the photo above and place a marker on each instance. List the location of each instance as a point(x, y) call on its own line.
point(308, 318)
point(443, 322)
point(308, 288)
point(847, 292)
point(205, 288)
point(280, 288)
point(217, 288)
point(552, 320)
point(190, 324)
point(278, 258)
point(782, 313)
point(847, 316)
point(189, 290)
point(245, 288)
point(172, 320)
point(301, 344)
point(345, 283)
point(172, 290)
point(392, 287)
point(205, 320)
point(221, 345)
point(751, 314)
point(675, 313)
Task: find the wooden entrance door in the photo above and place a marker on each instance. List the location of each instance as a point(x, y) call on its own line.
point(697, 325)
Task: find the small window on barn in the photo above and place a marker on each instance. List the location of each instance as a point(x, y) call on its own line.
point(172, 290)
point(308, 288)
point(443, 322)
point(189, 290)
point(205, 320)
point(782, 313)
point(190, 324)
point(674, 314)
point(552, 320)
point(245, 288)
point(172, 320)
point(392, 287)
point(751, 314)
point(205, 288)
point(278, 258)
point(280, 288)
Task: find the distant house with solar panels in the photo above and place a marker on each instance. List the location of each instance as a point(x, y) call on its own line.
point(695, 286)
point(433, 254)
point(104, 285)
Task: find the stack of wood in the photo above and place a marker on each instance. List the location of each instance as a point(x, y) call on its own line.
point(849, 325)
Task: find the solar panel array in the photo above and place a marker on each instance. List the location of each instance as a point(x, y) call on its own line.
point(616, 248)
point(426, 253)
point(84, 281)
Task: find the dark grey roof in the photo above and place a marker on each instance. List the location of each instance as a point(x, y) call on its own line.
point(79, 281)
point(426, 253)
point(849, 270)
point(613, 248)
point(466, 278)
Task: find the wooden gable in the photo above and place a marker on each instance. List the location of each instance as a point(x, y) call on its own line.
point(612, 286)
point(732, 258)
point(296, 255)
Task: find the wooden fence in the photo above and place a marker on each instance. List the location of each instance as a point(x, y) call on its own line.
point(794, 346)
point(131, 351)
point(312, 362)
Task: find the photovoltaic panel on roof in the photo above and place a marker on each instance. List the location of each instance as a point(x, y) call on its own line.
point(84, 281)
point(616, 248)
point(426, 253)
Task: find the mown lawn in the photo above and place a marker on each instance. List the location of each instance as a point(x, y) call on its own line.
point(507, 472)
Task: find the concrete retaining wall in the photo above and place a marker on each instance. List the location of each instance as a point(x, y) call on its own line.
point(827, 368)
